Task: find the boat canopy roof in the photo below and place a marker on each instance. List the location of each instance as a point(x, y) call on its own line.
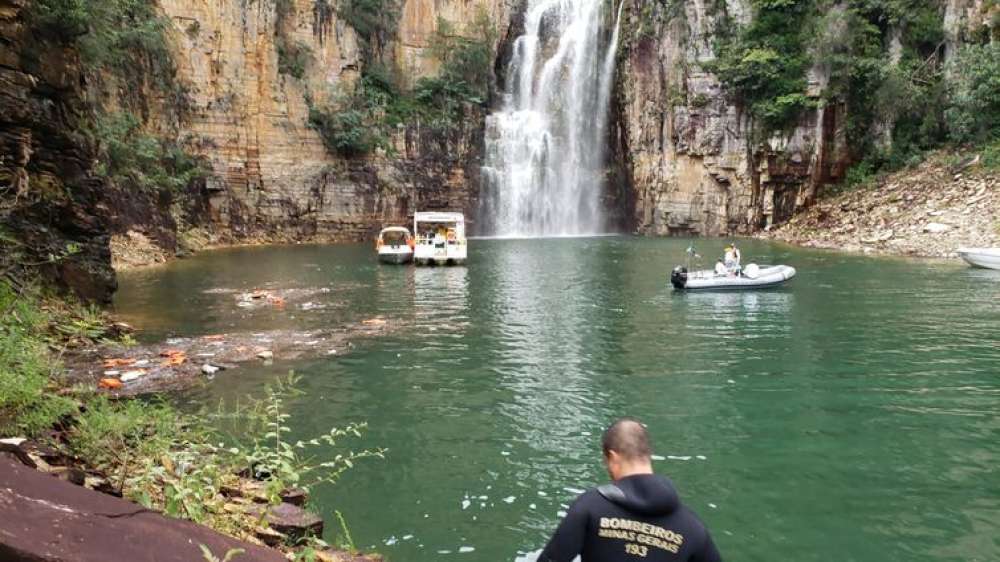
point(399, 229)
point(438, 217)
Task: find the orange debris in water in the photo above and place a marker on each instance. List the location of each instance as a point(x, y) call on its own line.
point(173, 357)
point(112, 363)
point(111, 384)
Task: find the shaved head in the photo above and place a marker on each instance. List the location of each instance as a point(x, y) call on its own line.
point(628, 438)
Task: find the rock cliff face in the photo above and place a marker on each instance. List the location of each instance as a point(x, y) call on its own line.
point(689, 151)
point(271, 175)
point(52, 208)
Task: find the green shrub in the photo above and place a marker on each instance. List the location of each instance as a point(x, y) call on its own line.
point(107, 432)
point(129, 156)
point(293, 57)
point(375, 21)
point(991, 156)
point(125, 37)
point(344, 132)
point(764, 64)
point(973, 107)
point(28, 404)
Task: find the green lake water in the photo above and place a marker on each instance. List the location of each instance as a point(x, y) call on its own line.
point(853, 415)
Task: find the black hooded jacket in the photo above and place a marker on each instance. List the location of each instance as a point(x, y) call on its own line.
point(639, 517)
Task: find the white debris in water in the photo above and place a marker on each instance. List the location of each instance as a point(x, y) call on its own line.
point(702, 457)
point(466, 504)
point(132, 375)
point(332, 352)
point(509, 499)
point(541, 493)
point(585, 433)
point(658, 458)
point(465, 549)
point(444, 552)
point(407, 537)
point(391, 541)
point(561, 513)
point(731, 381)
point(531, 506)
point(574, 490)
point(676, 458)
point(505, 453)
point(712, 505)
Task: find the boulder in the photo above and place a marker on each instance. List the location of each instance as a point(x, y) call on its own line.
point(294, 522)
point(936, 228)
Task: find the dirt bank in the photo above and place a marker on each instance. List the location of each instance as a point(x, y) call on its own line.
point(928, 211)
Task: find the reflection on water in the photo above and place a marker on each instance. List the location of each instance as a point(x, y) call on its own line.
point(852, 412)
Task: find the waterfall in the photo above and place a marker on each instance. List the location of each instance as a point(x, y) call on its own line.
point(545, 147)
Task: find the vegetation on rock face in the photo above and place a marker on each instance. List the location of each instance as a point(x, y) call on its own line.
point(125, 37)
point(375, 21)
point(882, 61)
point(130, 156)
point(973, 102)
point(379, 103)
point(124, 43)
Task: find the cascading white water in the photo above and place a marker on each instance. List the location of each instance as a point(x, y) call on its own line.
point(545, 148)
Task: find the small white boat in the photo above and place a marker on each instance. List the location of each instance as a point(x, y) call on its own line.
point(751, 277)
point(981, 257)
point(440, 239)
point(394, 245)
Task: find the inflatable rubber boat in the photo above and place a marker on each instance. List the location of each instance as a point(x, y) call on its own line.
point(753, 276)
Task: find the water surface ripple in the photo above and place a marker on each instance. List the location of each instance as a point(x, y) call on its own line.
point(854, 415)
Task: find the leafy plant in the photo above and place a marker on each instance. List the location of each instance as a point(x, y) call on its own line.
point(271, 457)
point(28, 404)
point(345, 132)
point(129, 156)
point(293, 57)
point(973, 109)
point(230, 555)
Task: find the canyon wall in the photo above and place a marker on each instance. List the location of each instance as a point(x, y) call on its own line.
point(271, 175)
point(51, 203)
point(689, 150)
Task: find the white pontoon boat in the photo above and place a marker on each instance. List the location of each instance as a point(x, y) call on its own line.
point(981, 257)
point(440, 238)
point(394, 245)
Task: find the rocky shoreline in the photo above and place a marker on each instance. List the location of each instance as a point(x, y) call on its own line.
point(931, 210)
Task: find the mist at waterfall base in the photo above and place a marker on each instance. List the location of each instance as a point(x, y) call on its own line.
point(546, 147)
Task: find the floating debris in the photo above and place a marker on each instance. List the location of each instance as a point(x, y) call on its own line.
point(129, 376)
point(110, 384)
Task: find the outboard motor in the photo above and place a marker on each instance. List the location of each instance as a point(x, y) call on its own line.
point(679, 277)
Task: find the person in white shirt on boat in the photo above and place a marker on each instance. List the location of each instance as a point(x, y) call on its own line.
point(720, 268)
point(732, 259)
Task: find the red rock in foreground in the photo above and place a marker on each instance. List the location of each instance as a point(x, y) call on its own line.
point(45, 519)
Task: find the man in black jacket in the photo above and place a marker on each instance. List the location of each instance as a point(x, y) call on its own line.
point(637, 517)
